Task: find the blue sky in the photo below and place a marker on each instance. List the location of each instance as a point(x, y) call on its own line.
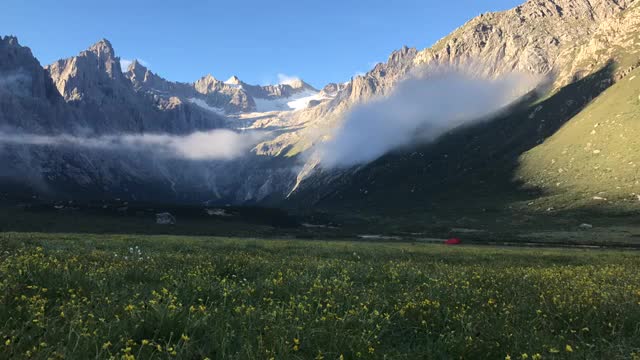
point(319, 41)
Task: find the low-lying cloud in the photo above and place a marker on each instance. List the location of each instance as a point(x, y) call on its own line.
point(15, 83)
point(424, 106)
point(220, 144)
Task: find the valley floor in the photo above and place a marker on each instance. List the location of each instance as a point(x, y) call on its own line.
point(79, 296)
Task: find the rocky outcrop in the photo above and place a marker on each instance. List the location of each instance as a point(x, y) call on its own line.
point(539, 37)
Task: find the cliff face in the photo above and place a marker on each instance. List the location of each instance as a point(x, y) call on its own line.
point(28, 97)
point(538, 37)
point(107, 101)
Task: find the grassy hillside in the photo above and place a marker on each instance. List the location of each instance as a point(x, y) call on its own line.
point(161, 297)
point(593, 160)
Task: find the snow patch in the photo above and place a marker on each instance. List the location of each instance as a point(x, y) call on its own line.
point(203, 104)
point(296, 102)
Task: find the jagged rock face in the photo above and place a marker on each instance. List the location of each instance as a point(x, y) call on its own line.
point(332, 89)
point(218, 93)
point(208, 89)
point(20, 73)
point(28, 98)
point(107, 101)
point(538, 37)
point(280, 90)
point(232, 96)
point(95, 74)
point(92, 97)
point(145, 80)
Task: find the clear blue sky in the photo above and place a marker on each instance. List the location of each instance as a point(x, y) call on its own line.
point(319, 41)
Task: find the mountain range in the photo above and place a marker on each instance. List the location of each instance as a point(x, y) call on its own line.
point(570, 144)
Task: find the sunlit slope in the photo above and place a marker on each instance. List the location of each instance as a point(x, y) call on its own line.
point(594, 157)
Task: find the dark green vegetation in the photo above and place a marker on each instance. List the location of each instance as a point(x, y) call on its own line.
point(488, 226)
point(484, 227)
point(90, 296)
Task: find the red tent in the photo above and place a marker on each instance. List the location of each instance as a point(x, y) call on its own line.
point(453, 241)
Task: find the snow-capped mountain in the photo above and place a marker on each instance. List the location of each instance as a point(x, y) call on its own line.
point(231, 97)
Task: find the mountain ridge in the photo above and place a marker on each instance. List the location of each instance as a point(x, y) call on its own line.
point(584, 46)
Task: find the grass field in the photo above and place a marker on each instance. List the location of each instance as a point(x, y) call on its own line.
point(115, 296)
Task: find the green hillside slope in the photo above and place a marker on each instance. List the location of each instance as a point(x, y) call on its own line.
point(595, 157)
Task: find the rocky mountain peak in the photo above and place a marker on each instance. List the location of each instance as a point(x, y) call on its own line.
point(234, 80)
point(402, 53)
point(207, 84)
point(95, 73)
point(139, 75)
point(135, 64)
point(210, 78)
point(102, 48)
point(9, 40)
point(136, 70)
point(295, 83)
point(10, 44)
point(20, 72)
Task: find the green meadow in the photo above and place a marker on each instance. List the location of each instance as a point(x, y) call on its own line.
point(82, 296)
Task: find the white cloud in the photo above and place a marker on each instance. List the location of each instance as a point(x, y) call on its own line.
point(220, 144)
point(421, 108)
